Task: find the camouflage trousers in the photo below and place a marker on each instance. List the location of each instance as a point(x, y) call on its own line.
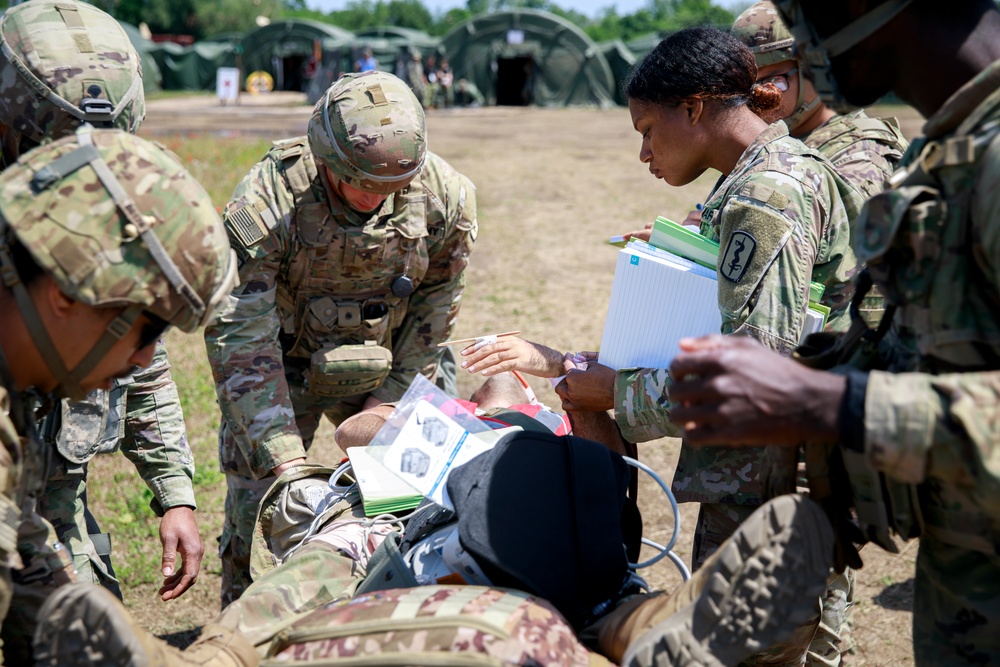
point(65, 507)
point(818, 643)
point(244, 493)
point(956, 606)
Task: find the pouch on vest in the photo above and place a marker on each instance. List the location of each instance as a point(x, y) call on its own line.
point(455, 626)
point(345, 370)
point(576, 556)
point(899, 236)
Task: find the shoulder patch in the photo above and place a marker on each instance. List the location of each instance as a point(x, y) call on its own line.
point(739, 252)
point(246, 225)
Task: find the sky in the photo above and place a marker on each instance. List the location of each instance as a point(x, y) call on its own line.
point(588, 7)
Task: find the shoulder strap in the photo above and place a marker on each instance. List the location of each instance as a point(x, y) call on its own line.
point(299, 169)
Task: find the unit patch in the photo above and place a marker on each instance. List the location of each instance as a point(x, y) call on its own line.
point(739, 252)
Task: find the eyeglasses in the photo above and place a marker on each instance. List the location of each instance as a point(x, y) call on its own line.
point(153, 330)
point(779, 80)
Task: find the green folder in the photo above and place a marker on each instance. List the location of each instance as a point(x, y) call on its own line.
point(668, 235)
point(382, 491)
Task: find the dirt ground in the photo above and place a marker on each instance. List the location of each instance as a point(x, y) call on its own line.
point(553, 185)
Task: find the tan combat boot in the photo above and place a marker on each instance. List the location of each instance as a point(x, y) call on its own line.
point(760, 585)
point(83, 624)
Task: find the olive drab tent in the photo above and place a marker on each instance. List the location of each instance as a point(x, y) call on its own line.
point(620, 58)
point(523, 57)
point(292, 51)
point(192, 67)
point(152, 81)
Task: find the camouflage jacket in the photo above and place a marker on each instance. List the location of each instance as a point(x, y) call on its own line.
point(27, 541)
point(932, 241)
point(783, 219)
point(864, 150)
point(316, 274)
point(141, 414)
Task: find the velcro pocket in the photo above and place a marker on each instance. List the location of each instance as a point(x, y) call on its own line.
point(345, 370)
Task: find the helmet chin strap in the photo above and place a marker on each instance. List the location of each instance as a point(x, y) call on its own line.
point(803, 109)
point(69, 382)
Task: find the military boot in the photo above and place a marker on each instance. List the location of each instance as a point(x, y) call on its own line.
point(762, 583)
point(82, 624)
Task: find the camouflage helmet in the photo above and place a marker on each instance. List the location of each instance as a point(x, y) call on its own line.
point(760, 27)
point(64, 63)
point(116, 222)
point(369, 130)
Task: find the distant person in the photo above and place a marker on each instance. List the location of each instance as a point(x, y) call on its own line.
point(431, 81)
point(446, 80)
point(415, 76)
point(367, 62)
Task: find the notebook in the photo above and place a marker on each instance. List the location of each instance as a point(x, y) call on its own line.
point(382, 491)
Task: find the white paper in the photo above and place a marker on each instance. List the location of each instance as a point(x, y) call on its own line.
point(657, 299)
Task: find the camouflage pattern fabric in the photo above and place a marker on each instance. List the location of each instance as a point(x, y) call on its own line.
point(864, 150)
point(322, 277)
point(369, 130)
point(790, 212)
point(41, 217)
point(56, 57)
point(142, 415)
point(765, 34)
point(441, 624)
point(930, 242)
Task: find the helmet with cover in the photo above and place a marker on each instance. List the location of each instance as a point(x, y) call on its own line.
point(816, 52)
point(765, 34)
point(116, 222)
point(61, 64)
point(369, 130)
point(760, 27)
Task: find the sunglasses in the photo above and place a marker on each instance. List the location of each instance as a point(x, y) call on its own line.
point(779, 80)
point(153, 330)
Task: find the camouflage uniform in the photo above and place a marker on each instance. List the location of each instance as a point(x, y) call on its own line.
point(112, 258)
point(40, 99)
point(141, 414)
point(927, 423)
point(782, 218)
point(324, 316)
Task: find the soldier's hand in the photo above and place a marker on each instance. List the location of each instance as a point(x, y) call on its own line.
point(179, 535)
point(641, 234)
point(513, 354)
point(587, 390)
point(730, 390)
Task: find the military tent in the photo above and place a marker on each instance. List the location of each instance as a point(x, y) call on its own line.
point(192, 67)
point(620, 59)
point(152, 80)
point(523, 56)
point(292, 51)
point(643, 44)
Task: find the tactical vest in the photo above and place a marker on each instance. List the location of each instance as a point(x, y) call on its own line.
point(335, 295)
point(835, 140)
point(917, 239)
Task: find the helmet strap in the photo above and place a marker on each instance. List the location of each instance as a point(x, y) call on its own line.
point(802, 108)
point(863, 27)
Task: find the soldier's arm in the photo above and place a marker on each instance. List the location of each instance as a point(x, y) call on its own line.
point(642, 404)
point(434, 306)
point(765, 264)
point(242, 341)
point(155, 438)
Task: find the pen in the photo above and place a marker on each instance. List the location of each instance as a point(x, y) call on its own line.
point(477, 339)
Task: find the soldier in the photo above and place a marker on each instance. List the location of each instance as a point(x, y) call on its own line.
point(105, 242)
point(864, 150)
point(910, 409)
point(322, 592)
point(353, 241)
point(782, 215)
point(42, 41)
